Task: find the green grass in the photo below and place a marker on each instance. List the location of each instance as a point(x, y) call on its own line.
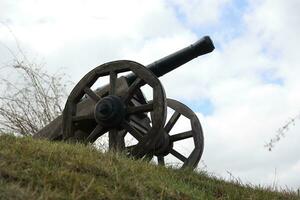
point(37, 169)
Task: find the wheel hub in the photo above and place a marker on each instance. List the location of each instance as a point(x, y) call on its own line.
point(164, 145)
point(109, 111)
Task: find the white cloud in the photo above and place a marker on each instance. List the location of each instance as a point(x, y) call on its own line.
point(200, 12)
point(248, 110)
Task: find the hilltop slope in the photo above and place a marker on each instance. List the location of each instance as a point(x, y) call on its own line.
point(36, 169)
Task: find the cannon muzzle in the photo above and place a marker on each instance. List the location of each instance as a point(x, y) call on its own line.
point(172, 61)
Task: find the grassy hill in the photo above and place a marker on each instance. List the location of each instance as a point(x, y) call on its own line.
point(36, 169)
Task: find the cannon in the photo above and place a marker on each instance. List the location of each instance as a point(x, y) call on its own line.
point(127, 120)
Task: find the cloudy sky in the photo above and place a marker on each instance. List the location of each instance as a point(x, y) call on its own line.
point(243, 92)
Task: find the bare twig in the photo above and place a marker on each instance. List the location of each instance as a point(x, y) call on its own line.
point(281, 132)
point(32, 97)
point(31, 102)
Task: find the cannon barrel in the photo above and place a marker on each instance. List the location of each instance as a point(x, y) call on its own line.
point(172, 61)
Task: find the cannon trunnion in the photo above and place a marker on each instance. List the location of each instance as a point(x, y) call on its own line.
point(121, 118)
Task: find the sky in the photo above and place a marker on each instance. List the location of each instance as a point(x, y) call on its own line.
point(243, 92)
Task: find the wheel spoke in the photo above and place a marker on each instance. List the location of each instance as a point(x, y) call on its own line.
point(122, 133)
point(130, 128)
point(97, 132)
point(121, 139)
point(181, 136)
point(161, 160)
point(140, 109)
point(91, 94)
point(172, 121)
point(142, 129)
point(82, 117)
point(113, 139)
point(132, 88)
point(112, 83)
point(178, 155)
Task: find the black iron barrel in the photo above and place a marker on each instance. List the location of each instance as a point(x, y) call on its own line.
point(172, 61)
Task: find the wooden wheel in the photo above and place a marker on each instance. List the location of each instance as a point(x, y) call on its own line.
point(196, 134)
point(113, 111)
